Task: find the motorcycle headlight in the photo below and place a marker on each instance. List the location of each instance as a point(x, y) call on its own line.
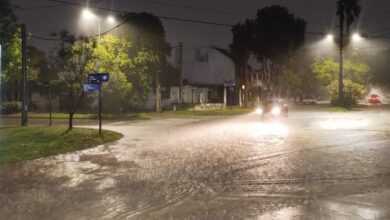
point(259, 111)
point(275, 111)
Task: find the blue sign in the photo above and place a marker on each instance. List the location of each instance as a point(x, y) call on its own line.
point(229, 84)
point(98, 77)
point(89, 87)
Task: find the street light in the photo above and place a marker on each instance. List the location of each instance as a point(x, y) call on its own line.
point(87, 14)
point(329, 37)
point(356, 37)
point(111, 19)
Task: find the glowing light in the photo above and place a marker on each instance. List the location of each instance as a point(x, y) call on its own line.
point(259, 111)
point(356, 37)
point(329, 37)
point(87, 14)
point(276, 111)
point(111, 19)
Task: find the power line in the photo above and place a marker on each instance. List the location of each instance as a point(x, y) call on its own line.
point(193, 8)
point(161, 17)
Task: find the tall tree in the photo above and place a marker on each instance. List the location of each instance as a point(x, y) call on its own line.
point(277, 33)
point(347, 10)
point(147, 34)
point(111, 56)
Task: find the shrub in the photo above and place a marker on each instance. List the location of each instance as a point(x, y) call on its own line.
point(10, 107)
point(352, 93)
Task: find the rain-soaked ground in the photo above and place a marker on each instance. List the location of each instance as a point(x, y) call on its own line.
point(313, 165)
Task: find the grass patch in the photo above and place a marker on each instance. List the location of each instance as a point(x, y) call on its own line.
point(228, 111)
point(338, 109)
point(26, 143)
point(130, 116)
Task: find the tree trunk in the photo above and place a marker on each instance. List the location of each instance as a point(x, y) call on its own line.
point(70, 122)
point(158, 94)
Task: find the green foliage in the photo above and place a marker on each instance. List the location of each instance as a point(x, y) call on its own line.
point(36, 60)
point(7, 20)
point(352, 93)
point(10, 107)
point(327, 71)
point(111, 56)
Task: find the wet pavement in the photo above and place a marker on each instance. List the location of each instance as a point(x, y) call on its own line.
point(313, 165)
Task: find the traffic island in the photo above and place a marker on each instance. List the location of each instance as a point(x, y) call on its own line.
point(31, 142)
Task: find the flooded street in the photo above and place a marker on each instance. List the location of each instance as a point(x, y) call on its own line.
point(313, 165)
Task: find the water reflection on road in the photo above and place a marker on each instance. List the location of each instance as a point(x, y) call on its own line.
point(224, 168)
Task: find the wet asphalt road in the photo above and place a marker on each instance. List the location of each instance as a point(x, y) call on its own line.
point(313, 165)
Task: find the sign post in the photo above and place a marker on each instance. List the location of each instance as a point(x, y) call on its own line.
point(95, 81)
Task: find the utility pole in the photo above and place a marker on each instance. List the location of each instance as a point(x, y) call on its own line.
point(180, 73)
point(100, 107)
point(341, 65)
point(24, 76)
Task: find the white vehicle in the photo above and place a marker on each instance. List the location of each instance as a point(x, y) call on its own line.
point(309, 100)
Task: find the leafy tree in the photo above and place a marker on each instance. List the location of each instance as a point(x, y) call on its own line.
point(277, 33)
point(151, 48)
point(353, 92)
point(326, 69)
point(7, 21)
point(12, 75)
point(73, 56)
point(111, 56)
point(347, 10)
point(357, 75)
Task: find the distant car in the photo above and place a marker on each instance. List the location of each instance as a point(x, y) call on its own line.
point(272, 108)
point(309, 100)
point(374, 99)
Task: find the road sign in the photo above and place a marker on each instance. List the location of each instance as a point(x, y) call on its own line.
point(89, 87)
point(229, 84)
point(98, 77)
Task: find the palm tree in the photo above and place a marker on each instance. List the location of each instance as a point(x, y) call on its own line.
point(347, 10)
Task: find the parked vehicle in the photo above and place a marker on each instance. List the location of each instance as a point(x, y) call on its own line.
point(309, 100)
point(374, 99)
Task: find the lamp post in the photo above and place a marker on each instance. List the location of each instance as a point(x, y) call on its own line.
point(89, 15)
point(356, 38)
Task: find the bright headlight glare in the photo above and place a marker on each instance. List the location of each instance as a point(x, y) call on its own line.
point(259, 111)
point(275, 111)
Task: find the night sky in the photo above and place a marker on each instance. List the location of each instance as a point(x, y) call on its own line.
point(43, 17)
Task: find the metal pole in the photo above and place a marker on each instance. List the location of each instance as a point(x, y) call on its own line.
point(99, 24)
point(50, 107)
point(180, 73)
point(341, 73)
point(100, 108)
point(24, 76)
point(1, 94)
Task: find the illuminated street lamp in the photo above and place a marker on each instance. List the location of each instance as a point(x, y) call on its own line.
point(329, 37)
point(89, 15)
point(111, 19)
point(356, 37)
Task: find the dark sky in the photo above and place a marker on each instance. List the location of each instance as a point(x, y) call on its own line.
point(320, 15)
